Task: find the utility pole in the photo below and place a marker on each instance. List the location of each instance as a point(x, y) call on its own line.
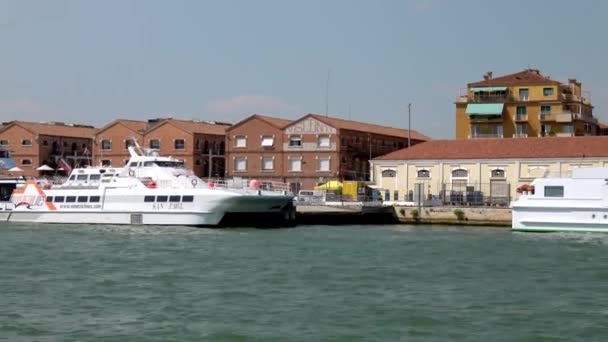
point(409, 124)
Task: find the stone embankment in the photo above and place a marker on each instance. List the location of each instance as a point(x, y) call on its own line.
point(500, 217)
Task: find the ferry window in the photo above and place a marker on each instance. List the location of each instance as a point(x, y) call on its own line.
point(70, 199)
point(26, 142)
point(180, 144)
point(149, 163)
point(83, 199)
point(82, 177)
point(95, 177)
point(94, 199)
point(49, 198)
point(149, 199)
point(59, 199)
point(72, 177)
point(174, 198)
point(187, 198)
point(161, 198)
point(133, 164)
point(106, 144)
point(554, 191)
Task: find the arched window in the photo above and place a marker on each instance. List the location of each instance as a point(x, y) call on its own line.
point(498, 173)
point(389, 173)
point(74, 147)
point(222, 147)
point(460, 173)
point(206, 147)
point(423, 173)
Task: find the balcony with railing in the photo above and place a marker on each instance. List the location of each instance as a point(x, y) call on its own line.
point(521, 117)
point(486, 131)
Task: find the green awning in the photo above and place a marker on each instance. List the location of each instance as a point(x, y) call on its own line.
point(485, 108)
point(488, 89)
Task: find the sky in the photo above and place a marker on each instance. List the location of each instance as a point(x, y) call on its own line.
point(92, 62)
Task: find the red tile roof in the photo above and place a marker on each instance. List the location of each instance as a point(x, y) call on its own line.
point(55, 129)
point(202, 127)
point(273, 121)
point(507, 148)
point(525, 77)
point(137, 126)
point(366, 127)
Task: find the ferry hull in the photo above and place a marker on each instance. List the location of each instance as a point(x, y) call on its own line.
point(563, 219)
point(135, 218)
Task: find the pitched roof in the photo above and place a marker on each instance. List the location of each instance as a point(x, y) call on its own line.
point(366, 127)
point(54, 129)
point(137, 126)
point(273, 121)
point(507, 148)
point(193, 126)
point(525, 77)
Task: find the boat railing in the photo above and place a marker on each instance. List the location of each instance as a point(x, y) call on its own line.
point(247, 184)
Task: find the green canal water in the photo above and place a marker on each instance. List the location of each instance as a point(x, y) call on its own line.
point(310, 283)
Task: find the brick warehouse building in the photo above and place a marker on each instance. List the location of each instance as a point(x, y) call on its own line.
point(194, 142)
point(34, 144)
point(309, 150)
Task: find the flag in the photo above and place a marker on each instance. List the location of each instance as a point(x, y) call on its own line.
point(65, 166)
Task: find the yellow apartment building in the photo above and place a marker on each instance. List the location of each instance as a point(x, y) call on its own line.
point(524, 104)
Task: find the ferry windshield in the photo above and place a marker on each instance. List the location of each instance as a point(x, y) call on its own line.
point(174, 164)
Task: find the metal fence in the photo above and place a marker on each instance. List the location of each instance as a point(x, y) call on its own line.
point(461, 194)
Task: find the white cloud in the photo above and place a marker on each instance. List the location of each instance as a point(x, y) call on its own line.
point(241, 106)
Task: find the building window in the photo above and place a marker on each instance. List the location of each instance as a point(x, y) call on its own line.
point(197, 145)
point(524, 94)
point(240, 164)
point(522, 110)
point(554, 191)
point(3, 142)
point(389, 173)
point(180, 144)
point(197, 162)
point(155, 144)
point(106, 144)
point(423, 173)
point(545, 109)
point(45, 143)
point(26, 142)
point(547, 91)
point(324, 141)
point(460, 173)
point(568, 129)
point(324, 164)
point(106, 162)
point(240, 141)
point(295, 164)
point(521, 130)
point(497, 173)
point(295, 141)
point(267, 163)
point(26, 162)
point(129, 143)
point(267, 141)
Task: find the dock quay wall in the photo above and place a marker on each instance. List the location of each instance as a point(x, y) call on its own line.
point(474, 216)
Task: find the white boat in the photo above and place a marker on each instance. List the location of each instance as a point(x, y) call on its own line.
point(149, 190)
point(577, 203)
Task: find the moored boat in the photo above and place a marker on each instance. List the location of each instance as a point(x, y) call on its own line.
point(149, 190)
point(576, 203)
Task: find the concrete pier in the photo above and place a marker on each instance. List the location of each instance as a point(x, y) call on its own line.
point(473, 216)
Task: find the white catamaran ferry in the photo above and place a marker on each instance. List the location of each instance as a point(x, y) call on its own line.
point(578, 203)
point(149, 190)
